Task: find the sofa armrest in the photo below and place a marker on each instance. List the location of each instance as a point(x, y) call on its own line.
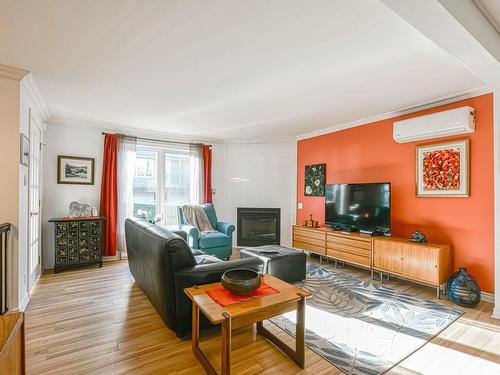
point(225, 228)
point(193, 232)
point(200, 275)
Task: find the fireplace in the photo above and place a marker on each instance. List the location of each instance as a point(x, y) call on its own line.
point(258, 226)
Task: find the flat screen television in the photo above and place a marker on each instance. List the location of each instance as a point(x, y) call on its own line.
point(355, 207)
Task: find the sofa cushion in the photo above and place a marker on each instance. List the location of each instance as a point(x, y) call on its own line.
point(206, 259)
point(197, 252)
point(214, 239)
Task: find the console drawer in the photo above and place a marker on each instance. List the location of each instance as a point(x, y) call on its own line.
point(349, 257)
point(307, 246)
point(309, 233)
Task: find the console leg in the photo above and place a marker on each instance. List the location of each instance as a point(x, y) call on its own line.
point(335, 263)
point(371, 274)
point(320, 260)
point(438, 290)
point(381, 277)
point(445, 287)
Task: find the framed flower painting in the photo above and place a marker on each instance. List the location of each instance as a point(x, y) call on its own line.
point(314, 181)
point(443, 169)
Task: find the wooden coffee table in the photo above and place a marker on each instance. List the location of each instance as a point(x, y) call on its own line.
point(245, 313)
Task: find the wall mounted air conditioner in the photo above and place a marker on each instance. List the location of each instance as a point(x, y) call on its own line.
point(436, 125)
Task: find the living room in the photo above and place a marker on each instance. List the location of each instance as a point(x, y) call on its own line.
point(341, 157)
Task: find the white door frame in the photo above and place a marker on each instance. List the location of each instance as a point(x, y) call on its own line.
point(34, 208)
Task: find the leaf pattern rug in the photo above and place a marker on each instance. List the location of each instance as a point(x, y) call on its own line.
point(362, 327)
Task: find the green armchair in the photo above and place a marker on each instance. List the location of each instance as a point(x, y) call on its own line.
point(218, 243)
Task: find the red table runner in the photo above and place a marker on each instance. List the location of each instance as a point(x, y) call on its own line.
point(224, 297)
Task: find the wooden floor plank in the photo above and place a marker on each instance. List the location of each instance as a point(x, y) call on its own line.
point(98, 321)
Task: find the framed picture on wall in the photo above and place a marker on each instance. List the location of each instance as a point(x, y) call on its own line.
point(314, 180)
point(75, 170)
point(443, 169)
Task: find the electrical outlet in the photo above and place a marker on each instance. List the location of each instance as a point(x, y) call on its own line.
point(300, 206)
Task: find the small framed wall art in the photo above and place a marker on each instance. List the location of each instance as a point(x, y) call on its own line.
point(443, 169)
point(75, 170)
point(314, 180)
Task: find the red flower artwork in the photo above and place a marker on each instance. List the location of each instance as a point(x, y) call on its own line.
point(441, 169)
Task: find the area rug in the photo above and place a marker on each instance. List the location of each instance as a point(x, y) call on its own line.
point(362, 327)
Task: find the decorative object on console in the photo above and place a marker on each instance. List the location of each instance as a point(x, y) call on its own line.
point(24, 150)
point(443, 169)
point(463, 289)
point(75, 170)
point(314, 181)
point(311, 223)
point(241, 281)
point(80, 210)
point(418, 237)
point(94, 211)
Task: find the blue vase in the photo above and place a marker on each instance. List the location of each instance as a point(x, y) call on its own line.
point(463, 289)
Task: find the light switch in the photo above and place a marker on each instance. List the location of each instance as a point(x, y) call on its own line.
point(300, 206)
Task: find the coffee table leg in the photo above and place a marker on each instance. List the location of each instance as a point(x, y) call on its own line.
point(226, 345)
point(195, 341)
point(297, 355)
point(300, 333)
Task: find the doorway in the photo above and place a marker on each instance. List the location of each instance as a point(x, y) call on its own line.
point(34, 243)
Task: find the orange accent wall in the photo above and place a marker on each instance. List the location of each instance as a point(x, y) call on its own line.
point(368, 153)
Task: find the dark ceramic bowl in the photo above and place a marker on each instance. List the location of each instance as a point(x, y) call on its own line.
point(241, 281)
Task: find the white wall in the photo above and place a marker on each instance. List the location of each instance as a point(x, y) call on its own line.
point(270, 169)
point(73, 141)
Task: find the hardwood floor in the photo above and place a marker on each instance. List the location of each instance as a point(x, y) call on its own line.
point(98, 321)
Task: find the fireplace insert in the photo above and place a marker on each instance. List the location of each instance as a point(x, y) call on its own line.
point(258, 226)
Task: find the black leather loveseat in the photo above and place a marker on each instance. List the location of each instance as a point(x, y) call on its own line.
point(163, 264)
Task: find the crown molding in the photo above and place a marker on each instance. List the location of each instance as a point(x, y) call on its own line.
point(29, 84)
point(11, 72)
point(117, 128)
point(403, 111)
point(483, 9)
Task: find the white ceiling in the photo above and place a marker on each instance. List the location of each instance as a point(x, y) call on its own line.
point(225, 69)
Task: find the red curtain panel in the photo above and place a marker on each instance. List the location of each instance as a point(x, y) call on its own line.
point(207, 173)
point(109, 194)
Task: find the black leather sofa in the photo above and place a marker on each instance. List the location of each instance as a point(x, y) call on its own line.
point(163, 264)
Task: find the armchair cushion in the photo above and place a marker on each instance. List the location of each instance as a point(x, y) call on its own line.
point(210, 211)
point(214, 239)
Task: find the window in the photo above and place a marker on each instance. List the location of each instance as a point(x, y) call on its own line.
point(145, 184)
point(165, 177)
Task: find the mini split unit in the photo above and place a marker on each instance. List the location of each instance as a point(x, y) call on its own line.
point(442, 124)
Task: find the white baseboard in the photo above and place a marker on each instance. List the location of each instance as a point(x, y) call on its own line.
point(24, 302)
point(488, 297)
point(496, 313)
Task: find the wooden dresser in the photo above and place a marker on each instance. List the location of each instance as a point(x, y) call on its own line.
point(12, 346)
point(426, 263)
point(78, 242)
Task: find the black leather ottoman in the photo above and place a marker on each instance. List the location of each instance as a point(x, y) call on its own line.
point(282, 262)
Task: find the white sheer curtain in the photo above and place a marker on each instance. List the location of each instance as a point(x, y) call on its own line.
point(196, 173)
point(125, 176)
